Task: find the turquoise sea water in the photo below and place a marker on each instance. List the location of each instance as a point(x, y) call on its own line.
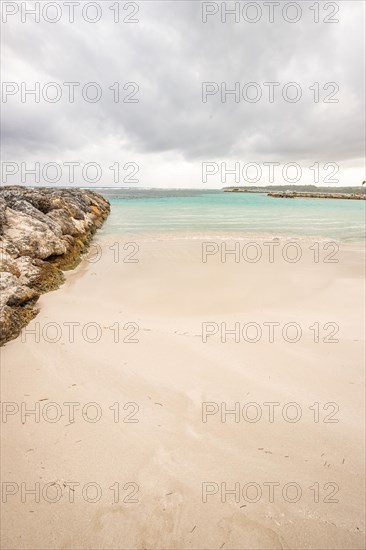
point(188, 212)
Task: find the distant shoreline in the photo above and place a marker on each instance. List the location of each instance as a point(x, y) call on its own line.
point(302, 191)
point(310, 192)
point(296, 195)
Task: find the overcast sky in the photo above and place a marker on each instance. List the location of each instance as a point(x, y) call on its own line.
point(162, 139)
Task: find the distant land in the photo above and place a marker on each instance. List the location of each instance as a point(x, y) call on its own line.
point(304, 192)
point(359, 190)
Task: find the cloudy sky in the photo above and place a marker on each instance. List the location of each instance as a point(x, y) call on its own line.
point(150, 62)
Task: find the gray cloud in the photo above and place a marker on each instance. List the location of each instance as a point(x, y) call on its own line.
point(169, 53)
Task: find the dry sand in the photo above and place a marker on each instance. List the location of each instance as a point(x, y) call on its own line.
point(170, 459)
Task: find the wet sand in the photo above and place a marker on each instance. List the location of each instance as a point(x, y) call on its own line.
point(153, 432)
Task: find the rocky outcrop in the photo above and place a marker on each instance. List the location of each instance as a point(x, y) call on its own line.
point(325, 192)
point(296, 195)
point(43, 231)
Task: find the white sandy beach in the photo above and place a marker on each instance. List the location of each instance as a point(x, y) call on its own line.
point(168, 456)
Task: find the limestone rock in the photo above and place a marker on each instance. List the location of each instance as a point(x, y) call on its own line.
point(42, 230)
